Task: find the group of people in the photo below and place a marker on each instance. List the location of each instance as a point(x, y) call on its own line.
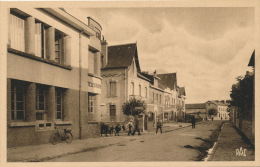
point(106, 129)
point(131, 128)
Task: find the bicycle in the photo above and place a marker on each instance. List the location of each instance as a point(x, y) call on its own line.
point(58, 137)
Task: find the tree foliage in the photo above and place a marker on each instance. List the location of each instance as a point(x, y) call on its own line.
point(212, 111)
point(242, 92)
point(129, 108)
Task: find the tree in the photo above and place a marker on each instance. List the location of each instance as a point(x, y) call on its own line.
point(242, 93)
point(213, 112)
point(134, 107)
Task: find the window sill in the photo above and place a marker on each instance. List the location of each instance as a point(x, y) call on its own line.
point(95, 76)
point(21, 124)
point(63, 122)
point(33, 57)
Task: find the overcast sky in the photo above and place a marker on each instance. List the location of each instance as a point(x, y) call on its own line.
point(207, 47)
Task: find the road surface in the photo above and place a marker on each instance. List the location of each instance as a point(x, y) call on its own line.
point(179, 145)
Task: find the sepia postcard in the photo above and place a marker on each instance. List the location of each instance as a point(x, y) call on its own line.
point(130, 83)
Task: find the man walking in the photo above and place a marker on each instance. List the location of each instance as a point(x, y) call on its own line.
point(130, 125)
point(136, 127)
point(117, 129)
point(193, 120)
point(159, 126)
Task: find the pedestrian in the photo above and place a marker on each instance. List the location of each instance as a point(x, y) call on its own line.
point(212, 118)
point(117, 129)
point(193, 120)
point(111, 130)
point(123, 127)
point(159, 126)
point(130, 125)
point(136, 127)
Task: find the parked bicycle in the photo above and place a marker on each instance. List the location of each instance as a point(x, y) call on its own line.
point(58, 136)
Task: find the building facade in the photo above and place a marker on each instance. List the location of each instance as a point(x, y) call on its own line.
point(198, 110)
point(53, 75)
point(122, 81)
point(222, 108)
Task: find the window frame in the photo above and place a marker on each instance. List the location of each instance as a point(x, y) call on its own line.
point(112, 92)
point(14, 101)
point(112, 109)
point(38, 110)
point(59, 92)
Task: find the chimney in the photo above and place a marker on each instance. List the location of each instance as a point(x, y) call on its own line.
point(154, 73)
point(104, 51)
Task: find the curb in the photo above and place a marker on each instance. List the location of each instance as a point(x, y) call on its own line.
point(211, 155)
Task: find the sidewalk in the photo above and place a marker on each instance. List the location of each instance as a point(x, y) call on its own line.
point(229, 146)
point(35, 153)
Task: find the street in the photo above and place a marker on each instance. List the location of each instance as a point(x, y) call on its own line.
point(184, 144)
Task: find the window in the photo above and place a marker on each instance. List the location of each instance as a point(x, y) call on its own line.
point(92, 61)
point(59, 103)
point(160, 100)
point(40, 39)
point(132, 88)
point(59, 47)
point(112, 110)
point(145, 91)
point(16, 31)
point(40, 102)
point(153, 96)
point(91, 100)
point(17, 102)
point(157, 98)
point(140, 90)
point(112, 89)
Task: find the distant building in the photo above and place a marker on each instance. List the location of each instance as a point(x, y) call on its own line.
point(199, 110)
point(168, 82)
point(222, 108)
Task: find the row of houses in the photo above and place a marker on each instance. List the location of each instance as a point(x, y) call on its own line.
point(201, 110)
point(62, 73)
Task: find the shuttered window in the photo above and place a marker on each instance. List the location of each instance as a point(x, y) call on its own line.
point(16, 31)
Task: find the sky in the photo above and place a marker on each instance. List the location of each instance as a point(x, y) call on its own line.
point(208, 47)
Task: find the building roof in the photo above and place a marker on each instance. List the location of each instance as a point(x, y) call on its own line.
point(182, 91)
point(122, 56)
point(150, 77)
point(195, 106)
point(252, 60)
point(140, 75)
point(168, 80)
point(219, 102)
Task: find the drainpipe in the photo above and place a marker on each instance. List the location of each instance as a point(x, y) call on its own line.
point(126, 87)
point(80, 112)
